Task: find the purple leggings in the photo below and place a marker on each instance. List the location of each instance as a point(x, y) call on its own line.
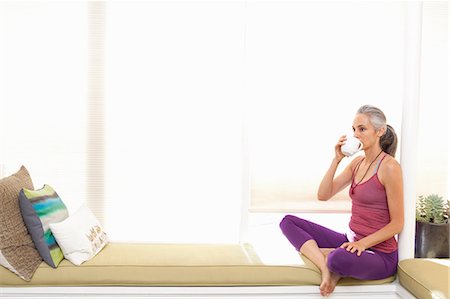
point(371, 265)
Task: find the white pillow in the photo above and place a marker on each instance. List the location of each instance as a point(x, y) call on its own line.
point(81, 236)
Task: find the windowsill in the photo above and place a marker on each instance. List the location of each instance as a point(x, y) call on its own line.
point(309, 206)
point(272, 246)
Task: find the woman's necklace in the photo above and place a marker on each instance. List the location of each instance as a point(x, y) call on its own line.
point(353, 187)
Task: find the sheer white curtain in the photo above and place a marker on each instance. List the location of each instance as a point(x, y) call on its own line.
point(174, 84)
point(310, 66)
point(43, 50)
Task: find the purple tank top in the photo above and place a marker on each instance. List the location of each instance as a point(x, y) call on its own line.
point(370, 211)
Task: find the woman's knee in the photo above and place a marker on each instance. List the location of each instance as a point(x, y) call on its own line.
point(366, 266)
point(287, 220)
point(339, 260)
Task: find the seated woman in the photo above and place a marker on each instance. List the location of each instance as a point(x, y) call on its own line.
point(376, 190)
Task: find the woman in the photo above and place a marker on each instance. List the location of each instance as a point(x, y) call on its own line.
point(376, 190)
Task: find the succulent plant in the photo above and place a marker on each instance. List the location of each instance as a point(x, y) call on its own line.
point(432, 209)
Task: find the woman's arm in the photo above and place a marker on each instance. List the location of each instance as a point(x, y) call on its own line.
point(330, 185)
point(391, 178)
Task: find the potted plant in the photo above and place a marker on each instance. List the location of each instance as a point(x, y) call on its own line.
point(432, 227)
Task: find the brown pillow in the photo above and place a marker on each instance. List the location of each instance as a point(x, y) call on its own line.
point(17, 251)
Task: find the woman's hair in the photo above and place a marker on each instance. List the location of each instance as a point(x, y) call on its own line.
point(388, 141)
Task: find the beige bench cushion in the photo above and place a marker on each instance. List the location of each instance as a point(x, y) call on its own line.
point(425, 278)
point(175, 265)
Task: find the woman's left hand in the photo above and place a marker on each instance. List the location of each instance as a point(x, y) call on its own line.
point(354, 246)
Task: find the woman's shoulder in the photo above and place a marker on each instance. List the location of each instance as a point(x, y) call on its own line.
point(389, 168)
point(390, 163)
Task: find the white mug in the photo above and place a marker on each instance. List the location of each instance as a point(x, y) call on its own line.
point(351, 146)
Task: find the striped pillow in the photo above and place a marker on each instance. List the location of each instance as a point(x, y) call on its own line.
point(39, 209)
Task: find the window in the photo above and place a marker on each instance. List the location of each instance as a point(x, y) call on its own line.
point(433, 149)
point(173, 121)
point(310, 66)
point(43, 52)
point(198, 98)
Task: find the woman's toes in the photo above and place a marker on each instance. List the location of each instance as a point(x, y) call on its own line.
point(325, 287)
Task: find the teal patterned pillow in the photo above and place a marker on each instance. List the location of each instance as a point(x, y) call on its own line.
point(39, 209)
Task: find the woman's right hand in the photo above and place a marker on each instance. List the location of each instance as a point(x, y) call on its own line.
point(337, 148)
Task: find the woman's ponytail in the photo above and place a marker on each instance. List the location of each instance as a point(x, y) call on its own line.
point(388, 141)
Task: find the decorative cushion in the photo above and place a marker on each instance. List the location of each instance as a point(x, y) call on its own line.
point(81, 236)
point(425, 278)
point(17, 251)
point(39, 209)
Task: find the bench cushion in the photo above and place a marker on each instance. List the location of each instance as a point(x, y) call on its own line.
point(425, 278)
point(175, 265)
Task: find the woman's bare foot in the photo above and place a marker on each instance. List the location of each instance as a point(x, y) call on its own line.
point(326, 283)
point(329, 282)
point(334, 280)
point(318, 256)
point(329, 279)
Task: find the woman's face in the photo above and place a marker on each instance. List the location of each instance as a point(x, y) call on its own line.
point(365, 131)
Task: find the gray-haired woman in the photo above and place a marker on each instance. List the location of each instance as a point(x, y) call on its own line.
point(376, 190)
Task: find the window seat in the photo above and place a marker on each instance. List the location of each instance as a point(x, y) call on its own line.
point(126, 264)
